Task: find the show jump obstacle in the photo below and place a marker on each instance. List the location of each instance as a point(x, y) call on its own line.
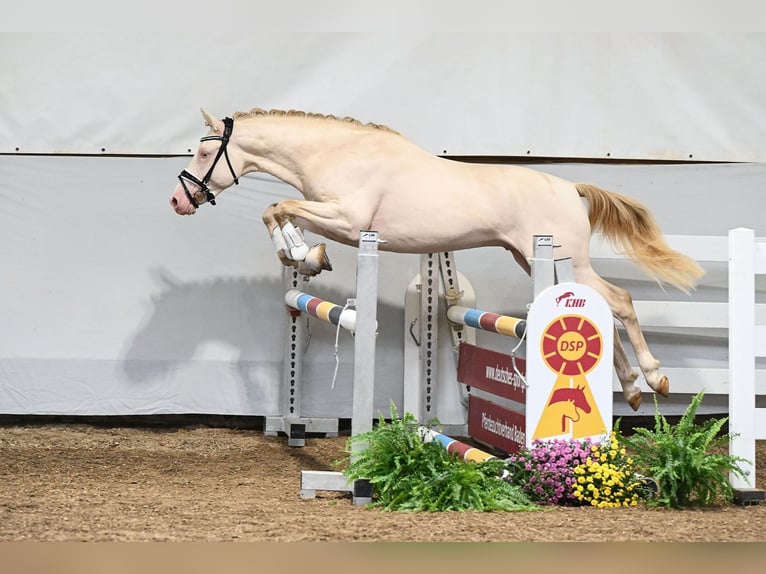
point(562, 389)
point(362, 321)
point(357, 316)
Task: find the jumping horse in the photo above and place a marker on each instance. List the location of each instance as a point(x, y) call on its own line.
point(357, 176)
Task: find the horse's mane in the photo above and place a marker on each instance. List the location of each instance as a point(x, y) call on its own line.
point(256, 112)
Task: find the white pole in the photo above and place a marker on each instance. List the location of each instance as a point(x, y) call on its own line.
point(742, 351)
point(543, 271)
point(362, 409)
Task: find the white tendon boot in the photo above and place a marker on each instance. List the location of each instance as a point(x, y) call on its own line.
point(293, 238)
point(281, 247)
point(293, 251)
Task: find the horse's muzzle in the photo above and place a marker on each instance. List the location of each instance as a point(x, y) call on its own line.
point(180, 203)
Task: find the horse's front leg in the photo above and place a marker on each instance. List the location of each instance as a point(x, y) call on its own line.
point(277, 237)
point(288, 238)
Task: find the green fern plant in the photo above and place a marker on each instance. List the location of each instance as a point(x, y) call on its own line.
point(411, 475)
point(682, 458)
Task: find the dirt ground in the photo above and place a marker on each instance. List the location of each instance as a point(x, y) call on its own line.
point(92, 483)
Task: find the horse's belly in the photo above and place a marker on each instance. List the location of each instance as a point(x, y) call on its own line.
point(413, 230)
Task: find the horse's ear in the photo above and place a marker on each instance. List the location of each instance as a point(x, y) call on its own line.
point(212, 121)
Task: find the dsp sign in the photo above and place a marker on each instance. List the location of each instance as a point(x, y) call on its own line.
point(569, 364)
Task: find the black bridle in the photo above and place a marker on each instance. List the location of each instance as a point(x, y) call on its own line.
point(202, 183)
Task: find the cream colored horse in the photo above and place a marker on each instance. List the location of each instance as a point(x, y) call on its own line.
point(356, 177)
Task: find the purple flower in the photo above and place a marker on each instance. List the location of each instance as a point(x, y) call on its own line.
point(545, 471)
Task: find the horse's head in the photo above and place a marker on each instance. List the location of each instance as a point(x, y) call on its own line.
point(205, 176)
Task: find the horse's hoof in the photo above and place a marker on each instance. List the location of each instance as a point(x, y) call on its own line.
point(316, 260)
point(635, 400)
point(663, 387)
point(318, 255)
point(307, 270)
point(326, 265)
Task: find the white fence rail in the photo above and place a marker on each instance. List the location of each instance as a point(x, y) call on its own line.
point(741, 316)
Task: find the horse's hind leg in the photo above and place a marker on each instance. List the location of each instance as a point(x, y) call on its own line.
point(621, 305)
point(625, 373)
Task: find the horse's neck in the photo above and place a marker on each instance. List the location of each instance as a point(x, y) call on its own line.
point(289, 148)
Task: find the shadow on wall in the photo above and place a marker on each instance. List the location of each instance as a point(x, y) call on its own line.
point(245, 319)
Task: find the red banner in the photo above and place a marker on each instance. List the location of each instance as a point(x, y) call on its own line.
point(492, 424)
point(493, 372)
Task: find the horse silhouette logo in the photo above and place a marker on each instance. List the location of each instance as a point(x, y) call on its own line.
point(576, 397)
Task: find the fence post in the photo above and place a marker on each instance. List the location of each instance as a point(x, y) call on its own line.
point(742, 351)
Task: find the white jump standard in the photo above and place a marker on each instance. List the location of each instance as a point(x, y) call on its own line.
point(362, 409)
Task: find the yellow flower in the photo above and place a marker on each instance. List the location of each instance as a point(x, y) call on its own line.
point(581, 479)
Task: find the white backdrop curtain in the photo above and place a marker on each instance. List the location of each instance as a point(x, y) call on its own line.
point(112, 304)
point(619, 95)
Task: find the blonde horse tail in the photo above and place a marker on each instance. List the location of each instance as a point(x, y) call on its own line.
point(632, 230)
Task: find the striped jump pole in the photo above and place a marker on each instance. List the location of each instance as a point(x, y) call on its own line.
point(464, 451)
point(321, 309)
point(487, 321)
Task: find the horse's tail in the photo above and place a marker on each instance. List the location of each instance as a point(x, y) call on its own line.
point(632, 230)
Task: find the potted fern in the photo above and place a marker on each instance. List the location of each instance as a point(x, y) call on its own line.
point(688, 460)
point(411, 475)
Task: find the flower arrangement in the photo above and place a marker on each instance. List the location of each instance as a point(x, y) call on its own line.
point(682, 466)
point(606, 478)
point(545, 472)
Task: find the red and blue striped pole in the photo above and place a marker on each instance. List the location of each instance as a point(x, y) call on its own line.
point(321, 309)
point(453, 446)
point(487, 321)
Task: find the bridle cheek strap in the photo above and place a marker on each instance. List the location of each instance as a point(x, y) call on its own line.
point(202, 184)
